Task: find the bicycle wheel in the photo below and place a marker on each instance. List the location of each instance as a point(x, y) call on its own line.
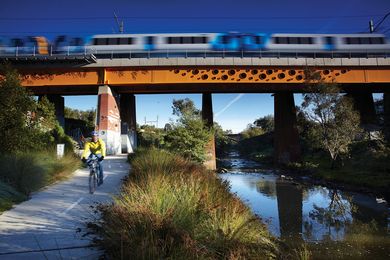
point(92, 182)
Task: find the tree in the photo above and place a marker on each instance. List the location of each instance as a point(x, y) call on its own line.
point(336, 123)
point(251, 131)
point(266, 123)
point(88, 116)
point(189, 135)
point(25, 124)
point(185, 107)
point(16, 111)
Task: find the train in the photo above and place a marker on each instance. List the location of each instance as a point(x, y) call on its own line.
point(234, 42)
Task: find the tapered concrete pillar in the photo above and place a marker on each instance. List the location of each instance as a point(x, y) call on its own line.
point(207, 116)
point(108, 120)
point(386, 116)
point(128, 123)
point(363, 102)
point(286, 139)
point(59, 107)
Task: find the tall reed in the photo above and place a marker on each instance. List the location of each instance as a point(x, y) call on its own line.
point(173, 208)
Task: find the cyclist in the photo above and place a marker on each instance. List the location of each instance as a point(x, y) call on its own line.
point(97, 147)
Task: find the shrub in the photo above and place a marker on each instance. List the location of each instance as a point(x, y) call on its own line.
point(172, 208)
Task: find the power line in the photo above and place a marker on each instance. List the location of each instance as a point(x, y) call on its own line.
point(381, 21)
point(188, 18)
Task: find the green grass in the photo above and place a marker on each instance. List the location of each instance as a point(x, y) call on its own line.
point(172, 208)
point(21, 174)
point(367, 167)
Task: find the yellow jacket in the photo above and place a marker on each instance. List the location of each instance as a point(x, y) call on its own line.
point(97, 148)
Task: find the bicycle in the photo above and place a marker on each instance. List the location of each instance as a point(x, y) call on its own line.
point(93, 166)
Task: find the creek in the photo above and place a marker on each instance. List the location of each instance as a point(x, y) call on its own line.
point(332, 223)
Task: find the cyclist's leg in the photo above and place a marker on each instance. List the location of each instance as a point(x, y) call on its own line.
point(100, 169)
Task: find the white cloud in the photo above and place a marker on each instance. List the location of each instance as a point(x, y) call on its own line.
point(229, 104)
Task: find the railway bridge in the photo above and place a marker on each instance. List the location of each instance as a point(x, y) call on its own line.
point(117, 80)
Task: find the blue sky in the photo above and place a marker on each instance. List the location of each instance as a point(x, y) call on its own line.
point(51, 18)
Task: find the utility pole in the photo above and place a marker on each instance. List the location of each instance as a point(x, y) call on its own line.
point(120, 25)
point(371, 26)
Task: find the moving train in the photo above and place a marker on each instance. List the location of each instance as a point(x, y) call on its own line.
point(198, 42)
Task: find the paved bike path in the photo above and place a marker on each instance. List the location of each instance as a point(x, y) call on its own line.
point(52, 224)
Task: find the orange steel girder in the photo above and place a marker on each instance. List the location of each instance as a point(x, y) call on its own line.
point(171, 77)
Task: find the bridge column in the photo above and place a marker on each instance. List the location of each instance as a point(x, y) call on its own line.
point(286, 139)
point(364, 104)
point(128, 123)
point(108, 120)
point(59, 107)
point(207, 116)
point(386, 106)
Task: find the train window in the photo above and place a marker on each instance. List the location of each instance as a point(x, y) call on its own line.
point(125, 41)
point(352, 40)
point(305, 40)
point(258, 39)
point(174, 40)
point(186, 40)
point(329, 40)
point(76, 41)
point(281, 40)
point(100, 41)
point(377, 40)
point(365, 40)
point(113, 41)
point(225, 39)
point(293, 40)
point(150, 40)
point(17, 42)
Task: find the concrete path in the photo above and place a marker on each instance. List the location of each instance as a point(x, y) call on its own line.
point(52, 224)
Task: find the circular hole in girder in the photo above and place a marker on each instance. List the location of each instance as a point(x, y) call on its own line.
point(254, 72)
point(269, 72)
point(326, 72)
point(195, 71)
point(299, 77)
point(231, 72)
point(242, 76)
point(281, 75)
point(215, 72)
point(262, 76)
point(291, 72)
point(224, 77)
point(205, 76)
point(343, 71)
point(183, 74)
point(176, 71)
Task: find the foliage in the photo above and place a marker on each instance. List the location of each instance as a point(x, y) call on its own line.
point(222, 142)
point(28, 172)
point(189, 134)
point(335, 123)
point(172, 208)
point(266, 123)
point(189, 138)
point(15, 103)
point(151, 136)
point(88, 116)
point(251, 131)
point(185, 108)
point(9, 196)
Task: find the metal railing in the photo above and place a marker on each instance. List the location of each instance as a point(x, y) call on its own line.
point(185, 53)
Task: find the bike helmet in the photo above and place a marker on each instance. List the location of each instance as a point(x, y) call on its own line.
point(94, 133)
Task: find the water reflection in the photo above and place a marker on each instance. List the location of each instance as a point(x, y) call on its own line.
point(295, 211)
